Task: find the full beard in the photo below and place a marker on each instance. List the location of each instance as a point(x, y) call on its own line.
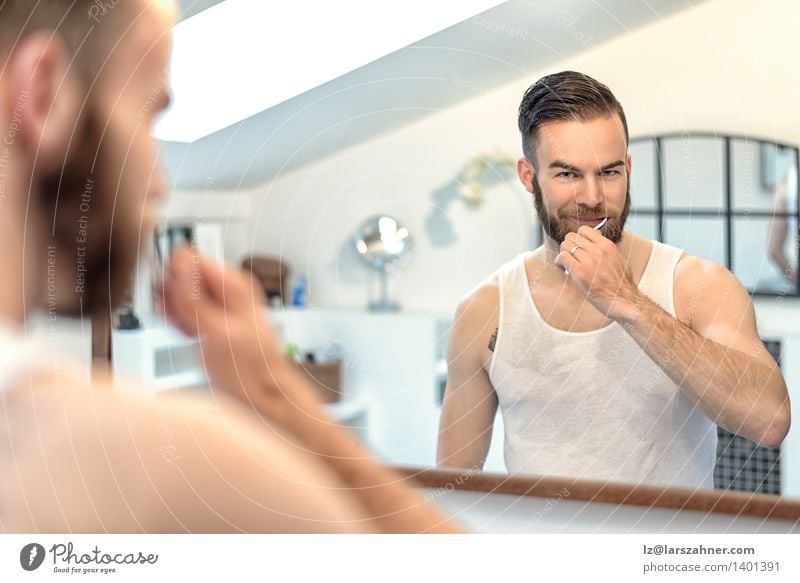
point(93, 271)
point(558, 227)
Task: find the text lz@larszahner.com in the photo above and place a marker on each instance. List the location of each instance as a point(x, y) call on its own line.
point(65, 555)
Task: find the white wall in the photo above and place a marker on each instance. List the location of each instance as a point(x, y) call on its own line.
point(726, 65)
point(308, 217)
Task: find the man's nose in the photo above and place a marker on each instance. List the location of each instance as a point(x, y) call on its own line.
point(591, 193)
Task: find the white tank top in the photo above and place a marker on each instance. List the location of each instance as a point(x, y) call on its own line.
point(593, 404)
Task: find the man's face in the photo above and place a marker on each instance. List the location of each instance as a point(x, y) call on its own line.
point(114, 180)
point(581, 176)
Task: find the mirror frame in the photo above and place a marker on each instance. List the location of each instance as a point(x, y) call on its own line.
point(595, 491)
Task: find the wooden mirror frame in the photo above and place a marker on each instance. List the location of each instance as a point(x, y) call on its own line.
point(739, 504)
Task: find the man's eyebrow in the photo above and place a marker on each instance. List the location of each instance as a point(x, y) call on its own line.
point(565, 166)
point(613, 165)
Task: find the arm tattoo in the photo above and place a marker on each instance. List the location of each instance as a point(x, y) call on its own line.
point(493, 340)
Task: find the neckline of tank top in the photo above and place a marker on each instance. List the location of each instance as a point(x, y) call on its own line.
point(597, 331)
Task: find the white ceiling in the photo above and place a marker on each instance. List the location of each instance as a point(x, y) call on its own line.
point(189, 8)
point(217, 49)
point(401, 87)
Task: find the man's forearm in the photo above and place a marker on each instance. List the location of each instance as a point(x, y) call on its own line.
point(391, 504)
point(736, 390)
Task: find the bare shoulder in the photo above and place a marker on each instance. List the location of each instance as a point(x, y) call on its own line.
point(482, 300)
point(122, 460)
point(478, 311)
point(701, 284)
point(475, 327)
point(95, 450)
point(694, 272)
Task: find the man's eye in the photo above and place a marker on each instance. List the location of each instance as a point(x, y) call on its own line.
point(566, 174)
point(610, 172)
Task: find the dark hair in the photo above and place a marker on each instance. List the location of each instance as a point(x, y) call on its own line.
point(564, 96)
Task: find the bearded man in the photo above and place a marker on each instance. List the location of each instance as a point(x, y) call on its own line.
point(80, 189)
point(610, 356)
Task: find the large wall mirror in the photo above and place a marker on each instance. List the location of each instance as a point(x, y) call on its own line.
point(730, 199)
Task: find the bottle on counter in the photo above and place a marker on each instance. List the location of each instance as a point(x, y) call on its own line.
point(299, 286)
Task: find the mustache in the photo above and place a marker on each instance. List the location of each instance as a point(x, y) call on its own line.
point(584, 213)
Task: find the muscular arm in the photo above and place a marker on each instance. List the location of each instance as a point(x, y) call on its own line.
point(712, 352)
point(470, 402)
point(715, 355)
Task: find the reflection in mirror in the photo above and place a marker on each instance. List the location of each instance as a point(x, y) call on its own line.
point(730, 200)
point(764, 208)
point(694, 172)
point(551, 385)
point(644, 189)
point(703, 236)
point(769, 267)
point(711, 197)
point(643, 225)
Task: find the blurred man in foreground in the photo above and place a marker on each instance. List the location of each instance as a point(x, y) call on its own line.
point(80, 187)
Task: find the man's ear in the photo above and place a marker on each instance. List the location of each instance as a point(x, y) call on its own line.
point(44, 98)
point(525, 173)
point(628, 164)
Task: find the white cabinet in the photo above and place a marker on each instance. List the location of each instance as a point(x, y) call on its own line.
point(392, 362)
point(158, 358)
point(389, 362)
point(161, 358)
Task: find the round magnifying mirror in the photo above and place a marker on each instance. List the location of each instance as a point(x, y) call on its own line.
point(382, 242)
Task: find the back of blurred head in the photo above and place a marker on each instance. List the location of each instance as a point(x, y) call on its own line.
point(80, 85)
